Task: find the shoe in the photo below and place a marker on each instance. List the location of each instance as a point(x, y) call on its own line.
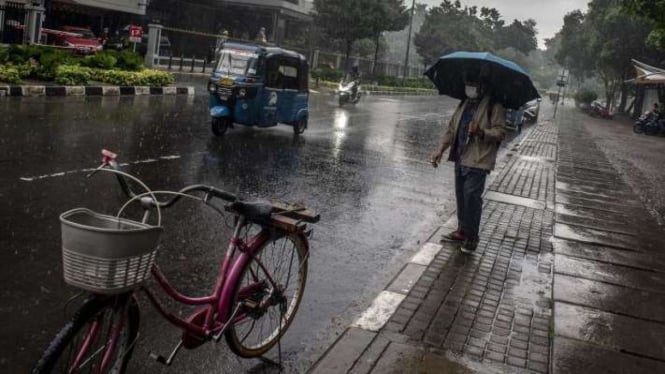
point(454, 236)
point(469, 246)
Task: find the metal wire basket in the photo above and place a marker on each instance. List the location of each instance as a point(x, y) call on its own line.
point(106, 254)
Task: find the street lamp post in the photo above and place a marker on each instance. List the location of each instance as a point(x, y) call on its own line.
point(561, 82)
point(408, 42)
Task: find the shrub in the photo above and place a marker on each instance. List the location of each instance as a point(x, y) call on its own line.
point(50, 59)
point(128, 60)
point(155, 78)
point(326, 73)
point(9, 74)
point(152, 78)
point(397, 82)
point(585, 96)
point(27, 69)
point(72, 75)
point(4, 55)
point(103, 60)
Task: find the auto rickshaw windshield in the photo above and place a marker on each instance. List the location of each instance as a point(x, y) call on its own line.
point(237, 62)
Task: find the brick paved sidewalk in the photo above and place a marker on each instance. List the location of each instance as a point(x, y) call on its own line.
point(569, 277)
point(490, 311)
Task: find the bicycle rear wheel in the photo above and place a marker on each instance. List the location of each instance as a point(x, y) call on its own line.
point(83, 344)
point(267, 311)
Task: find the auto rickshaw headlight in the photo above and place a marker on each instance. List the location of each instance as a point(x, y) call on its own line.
point(211, 87)
point(242, 92)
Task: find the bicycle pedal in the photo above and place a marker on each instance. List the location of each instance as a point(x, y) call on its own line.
point(158, 358)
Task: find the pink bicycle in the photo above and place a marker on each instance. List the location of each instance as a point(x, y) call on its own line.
point(257, 293)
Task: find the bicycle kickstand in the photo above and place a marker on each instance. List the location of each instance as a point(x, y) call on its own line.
point(268, 361)
point(167, 361)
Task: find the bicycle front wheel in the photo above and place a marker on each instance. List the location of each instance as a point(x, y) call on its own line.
point(265, 311)
point(99, 338)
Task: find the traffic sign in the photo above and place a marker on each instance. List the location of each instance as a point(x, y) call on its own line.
point(135, 33)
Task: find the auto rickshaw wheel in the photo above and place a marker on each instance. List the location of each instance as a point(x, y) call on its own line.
point(220, 125)
point(299, 126)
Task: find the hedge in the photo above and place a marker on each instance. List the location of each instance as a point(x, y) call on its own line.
point(9, 74)
point(585, 96)
point(370, 87)
point(73, 75)
point(53, 64)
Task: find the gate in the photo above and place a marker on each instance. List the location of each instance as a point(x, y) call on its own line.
point(12, 22)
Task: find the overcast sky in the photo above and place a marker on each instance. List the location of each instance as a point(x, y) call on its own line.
point(547, 13)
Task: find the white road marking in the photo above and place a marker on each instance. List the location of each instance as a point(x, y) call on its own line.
point(382, 308)
point(87, 170)
point(426, 254)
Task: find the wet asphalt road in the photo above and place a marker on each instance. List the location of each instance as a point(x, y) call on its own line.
point(362, 168)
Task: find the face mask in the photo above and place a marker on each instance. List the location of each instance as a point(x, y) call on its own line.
point(471, 91)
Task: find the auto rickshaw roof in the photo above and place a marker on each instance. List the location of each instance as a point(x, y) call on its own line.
point(269, 51)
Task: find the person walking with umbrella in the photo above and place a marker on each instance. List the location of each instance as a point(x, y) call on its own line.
point(486, 85)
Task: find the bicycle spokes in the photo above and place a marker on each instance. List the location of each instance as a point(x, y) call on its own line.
point(271, 288)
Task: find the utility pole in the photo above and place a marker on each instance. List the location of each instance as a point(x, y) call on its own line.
point(408, 42)
point(561, 82)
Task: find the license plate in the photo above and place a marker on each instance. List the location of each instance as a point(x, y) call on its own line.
point(226, 82)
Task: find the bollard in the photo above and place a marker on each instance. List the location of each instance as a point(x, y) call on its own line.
point(182, 61)
point(170, 60)
point(203, 70)
point(191, 70)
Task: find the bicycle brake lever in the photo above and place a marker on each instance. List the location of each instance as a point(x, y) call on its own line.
point(96, 170)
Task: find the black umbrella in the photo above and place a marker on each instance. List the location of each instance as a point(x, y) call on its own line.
point(509, 83)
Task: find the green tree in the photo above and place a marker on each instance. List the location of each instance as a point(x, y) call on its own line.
point(653, 10)
point(397, 40)
point(389, 15)
point(518, 35)
point(347, 20)
point(451, 27)
point(574, 51)
point(615, 37)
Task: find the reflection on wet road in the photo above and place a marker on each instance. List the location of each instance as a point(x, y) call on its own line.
point(363, 168)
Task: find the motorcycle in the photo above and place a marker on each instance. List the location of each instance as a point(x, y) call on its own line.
point(598, 110)
point(345, 92)
point(649, 124)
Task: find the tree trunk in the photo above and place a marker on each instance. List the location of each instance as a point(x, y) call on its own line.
point(376, 55)
point(347, 64)
point(624, 97)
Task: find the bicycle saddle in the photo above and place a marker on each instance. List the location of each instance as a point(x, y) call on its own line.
point(256, 211)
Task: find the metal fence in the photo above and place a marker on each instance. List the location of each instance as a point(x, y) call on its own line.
point(12, 21)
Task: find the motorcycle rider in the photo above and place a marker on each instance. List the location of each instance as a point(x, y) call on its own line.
point(354, 76)
point(655, 112)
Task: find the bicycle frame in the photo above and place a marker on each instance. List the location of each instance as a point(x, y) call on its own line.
point(220, 300)
point(216, 313)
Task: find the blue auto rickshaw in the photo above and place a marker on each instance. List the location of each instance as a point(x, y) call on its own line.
point(261, 86)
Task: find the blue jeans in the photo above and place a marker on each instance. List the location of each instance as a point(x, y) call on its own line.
point(469, 187)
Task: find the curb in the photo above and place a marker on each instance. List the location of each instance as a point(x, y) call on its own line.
point(35, 90)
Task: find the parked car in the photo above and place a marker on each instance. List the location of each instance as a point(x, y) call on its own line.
point(81, 39)
point(532, 111)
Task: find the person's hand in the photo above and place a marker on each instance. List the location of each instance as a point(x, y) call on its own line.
point(436, 158)
point(474, 129)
